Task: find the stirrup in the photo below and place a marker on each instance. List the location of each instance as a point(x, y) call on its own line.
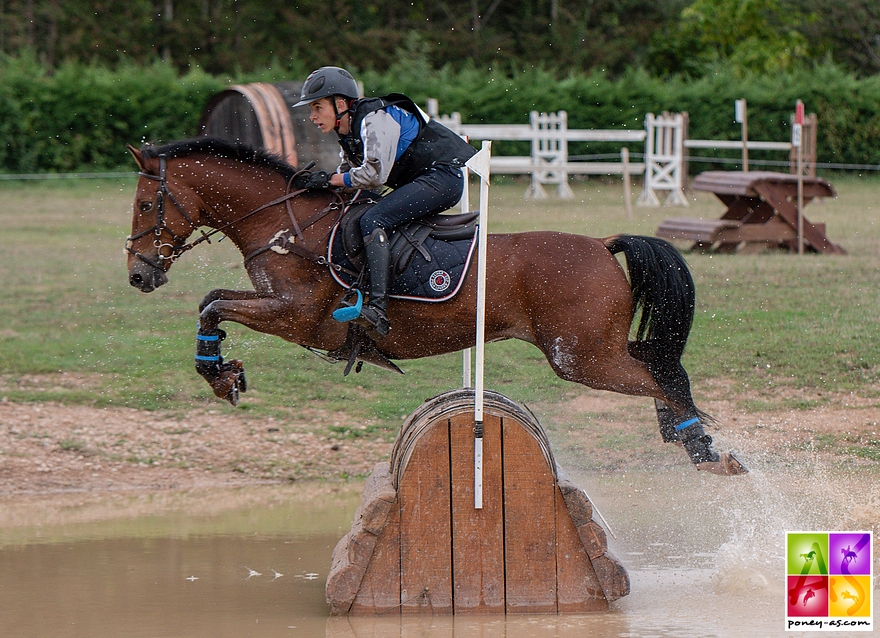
point(347, 311)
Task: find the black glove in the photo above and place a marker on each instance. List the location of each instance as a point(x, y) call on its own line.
point(317, 179)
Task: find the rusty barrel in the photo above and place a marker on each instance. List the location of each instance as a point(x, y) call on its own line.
point(262, 115)
point(417, 545)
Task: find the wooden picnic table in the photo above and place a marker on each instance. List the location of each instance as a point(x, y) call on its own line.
point(761, 212)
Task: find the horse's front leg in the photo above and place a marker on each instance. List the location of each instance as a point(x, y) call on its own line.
point(272, 315)
point(227, 295)
point(226, 378)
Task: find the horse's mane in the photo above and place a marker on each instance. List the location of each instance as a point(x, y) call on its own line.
point(218, 147)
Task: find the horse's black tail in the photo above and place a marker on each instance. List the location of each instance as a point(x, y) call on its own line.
point(663, 290)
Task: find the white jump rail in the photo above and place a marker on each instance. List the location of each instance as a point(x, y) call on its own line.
point(549, 163)
point(664, 138)
point(758, 146)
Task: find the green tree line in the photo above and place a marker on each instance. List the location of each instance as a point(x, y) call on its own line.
point(81, 116)
point(234, 36)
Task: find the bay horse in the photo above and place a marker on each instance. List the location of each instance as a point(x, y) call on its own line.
point(566, 294)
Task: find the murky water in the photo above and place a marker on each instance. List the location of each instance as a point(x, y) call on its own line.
point(704, 554)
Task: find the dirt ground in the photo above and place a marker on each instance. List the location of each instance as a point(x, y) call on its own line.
point(52, 448)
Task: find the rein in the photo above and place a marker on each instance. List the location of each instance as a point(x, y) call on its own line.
point(180, 246)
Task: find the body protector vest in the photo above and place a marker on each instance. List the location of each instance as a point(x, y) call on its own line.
point(435, 145)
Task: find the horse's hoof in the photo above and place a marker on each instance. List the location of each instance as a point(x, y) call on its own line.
point(231, 382)
point(727, 465)
point(233, 395)
point(225, 387)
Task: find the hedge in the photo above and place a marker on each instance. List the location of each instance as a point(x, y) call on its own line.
point(80, 117)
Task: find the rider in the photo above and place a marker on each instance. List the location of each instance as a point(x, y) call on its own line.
point(386, 141)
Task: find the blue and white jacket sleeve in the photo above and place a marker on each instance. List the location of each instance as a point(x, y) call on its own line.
point(380, 133)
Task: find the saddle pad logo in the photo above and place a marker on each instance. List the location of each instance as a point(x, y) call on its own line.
point(440, 280)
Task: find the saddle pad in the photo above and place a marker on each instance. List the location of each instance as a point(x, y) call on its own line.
point(436, 280)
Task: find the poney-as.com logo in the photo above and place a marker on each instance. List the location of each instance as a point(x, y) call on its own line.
point(829, 578)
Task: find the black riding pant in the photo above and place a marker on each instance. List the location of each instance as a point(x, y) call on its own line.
point(436, 190)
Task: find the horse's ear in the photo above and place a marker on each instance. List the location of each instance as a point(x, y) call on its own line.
point(137, 156)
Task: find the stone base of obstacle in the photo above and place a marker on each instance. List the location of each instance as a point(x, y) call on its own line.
point(418, 546)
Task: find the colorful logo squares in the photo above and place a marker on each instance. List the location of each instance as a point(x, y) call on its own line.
point(829, 581)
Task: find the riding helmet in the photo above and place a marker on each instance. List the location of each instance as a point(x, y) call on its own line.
point(327, 82)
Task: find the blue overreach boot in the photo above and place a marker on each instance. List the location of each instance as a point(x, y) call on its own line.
point(698, 445)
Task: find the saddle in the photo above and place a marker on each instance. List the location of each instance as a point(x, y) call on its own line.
point(405, 240)
point(429, 258)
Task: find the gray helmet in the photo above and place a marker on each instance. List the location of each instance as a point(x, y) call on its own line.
point(327, 82)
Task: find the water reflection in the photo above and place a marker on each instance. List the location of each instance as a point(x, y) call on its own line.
point(704, 556)
point(166, 587)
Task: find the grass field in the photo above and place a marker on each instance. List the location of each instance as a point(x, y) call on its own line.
point(770, 328)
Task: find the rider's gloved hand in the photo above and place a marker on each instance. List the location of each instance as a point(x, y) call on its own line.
point(317, 179)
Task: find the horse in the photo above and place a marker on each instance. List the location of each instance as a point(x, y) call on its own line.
point(566, 294)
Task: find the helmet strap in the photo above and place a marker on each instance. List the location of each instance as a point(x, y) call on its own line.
point(339, 115)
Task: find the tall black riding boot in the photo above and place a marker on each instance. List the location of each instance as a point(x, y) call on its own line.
point(377, 250)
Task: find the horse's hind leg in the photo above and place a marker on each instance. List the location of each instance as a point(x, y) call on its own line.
point(616, 370)
point(602, 368)
point(686, 428)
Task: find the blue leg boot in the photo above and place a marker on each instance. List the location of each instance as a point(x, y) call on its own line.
point(698, 445)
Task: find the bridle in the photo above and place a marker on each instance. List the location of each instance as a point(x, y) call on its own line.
point(180, 244)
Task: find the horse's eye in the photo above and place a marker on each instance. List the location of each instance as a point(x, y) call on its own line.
point(145, 206)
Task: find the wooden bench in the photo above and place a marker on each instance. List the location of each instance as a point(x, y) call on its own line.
point(761, 213)
point(705, 231)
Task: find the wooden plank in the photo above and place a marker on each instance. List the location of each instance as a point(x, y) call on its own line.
point(425, 525)
point(787, 210)
point(612, 576)
point(529, 523)
point(353, 554)
point(379, 591)
point(702, 230)
point(579, 589)
point(343, 579)
point(576, 502)
point(746, 183)
point(770, 231)
point(593, 539)
point(748, 210)
point(477, 535)
point(727, 182)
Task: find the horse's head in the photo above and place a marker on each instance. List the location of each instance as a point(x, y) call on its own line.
point(162, 220)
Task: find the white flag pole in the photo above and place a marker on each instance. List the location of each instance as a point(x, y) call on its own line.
point(466, 353)
point(479, 164)
point(797, 141)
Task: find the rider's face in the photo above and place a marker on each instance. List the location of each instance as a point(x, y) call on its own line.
point(324, 117)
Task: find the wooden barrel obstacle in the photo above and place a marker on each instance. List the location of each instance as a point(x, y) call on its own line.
point(417, 545)
point(262, 115)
